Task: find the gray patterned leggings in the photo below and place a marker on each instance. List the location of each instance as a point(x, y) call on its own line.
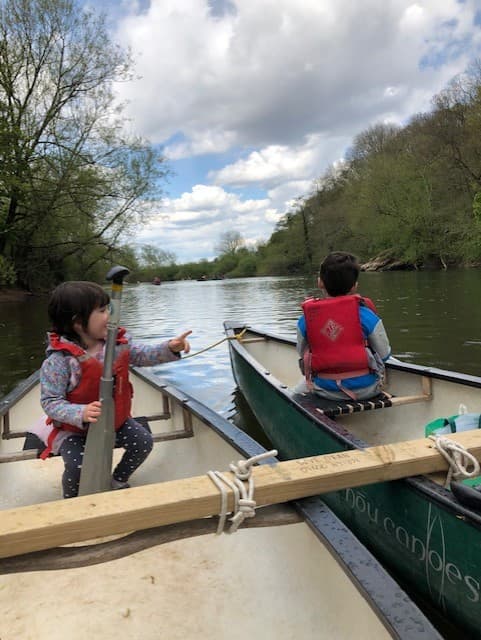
point(132, 436)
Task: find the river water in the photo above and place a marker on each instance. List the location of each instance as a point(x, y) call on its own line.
point(432, 318)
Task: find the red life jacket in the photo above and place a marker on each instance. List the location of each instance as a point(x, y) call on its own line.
point(336, 341)
point(89, 385)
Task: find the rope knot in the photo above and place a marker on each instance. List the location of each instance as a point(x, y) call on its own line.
point(458, 458)
point(242, 486)
point(241, 469)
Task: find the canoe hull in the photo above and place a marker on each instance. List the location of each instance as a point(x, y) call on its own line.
point(411, 525)
point(290, 577)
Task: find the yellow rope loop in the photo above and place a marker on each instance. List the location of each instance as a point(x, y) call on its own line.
point(236, 336)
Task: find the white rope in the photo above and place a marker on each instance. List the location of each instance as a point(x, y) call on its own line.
point(242, 485)
point(457, 457)
point(220, 481)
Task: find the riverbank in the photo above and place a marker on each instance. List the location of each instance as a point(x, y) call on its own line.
point(14, 295)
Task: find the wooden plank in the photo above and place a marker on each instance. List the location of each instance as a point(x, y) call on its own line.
point(426, 386)
point(52, 524)
point(425, 396)
point(398, 400)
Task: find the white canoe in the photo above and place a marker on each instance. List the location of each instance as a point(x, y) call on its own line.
point(293, 572)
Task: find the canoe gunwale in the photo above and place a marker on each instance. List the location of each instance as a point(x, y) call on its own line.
point(18, 393)
point(423, 485)
point(416, 369)
point(93, 553)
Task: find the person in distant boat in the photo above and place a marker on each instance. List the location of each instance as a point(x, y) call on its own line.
point(341, 341)
point(70, 380)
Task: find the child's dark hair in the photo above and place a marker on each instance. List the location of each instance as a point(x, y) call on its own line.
point(74, 302)
point(339, 272)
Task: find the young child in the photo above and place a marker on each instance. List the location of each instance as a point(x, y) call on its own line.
point(70, 380)
point(341, 340)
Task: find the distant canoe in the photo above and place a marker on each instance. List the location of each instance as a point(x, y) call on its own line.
point(156, 280)
point(292, 572)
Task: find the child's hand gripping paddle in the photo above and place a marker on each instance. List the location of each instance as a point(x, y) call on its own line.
point(96, 472)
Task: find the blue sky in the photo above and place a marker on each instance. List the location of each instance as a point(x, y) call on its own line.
point(252, 100)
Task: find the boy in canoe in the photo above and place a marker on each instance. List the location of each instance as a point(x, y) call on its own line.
point(341, 341)
point(70, 380)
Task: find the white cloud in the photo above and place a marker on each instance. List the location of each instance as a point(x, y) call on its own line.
point(287, 83)
point(210, 199)
point(284, 196)
point(192, 223)
point(274, 71)
point(277, 164)
point(201, 142)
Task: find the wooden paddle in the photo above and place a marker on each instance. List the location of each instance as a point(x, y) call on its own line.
point(51, 524)
point(96, 472)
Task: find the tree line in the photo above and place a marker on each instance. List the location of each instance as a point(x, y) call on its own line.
point(74, 183)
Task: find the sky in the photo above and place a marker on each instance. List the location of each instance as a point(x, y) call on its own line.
point(251, 101)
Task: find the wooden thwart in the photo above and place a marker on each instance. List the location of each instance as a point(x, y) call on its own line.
point(52, 524)
point(425, 396)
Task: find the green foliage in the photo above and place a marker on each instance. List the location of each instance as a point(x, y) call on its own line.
point(477, 206)
point(72, 182)
point(246, 267)
point(7, 273)
point(412, 192)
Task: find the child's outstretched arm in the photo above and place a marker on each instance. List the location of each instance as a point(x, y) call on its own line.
point(146, 355)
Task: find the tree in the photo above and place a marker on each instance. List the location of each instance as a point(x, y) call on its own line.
point(72, 183)
point(229, 242)
point(152, 256)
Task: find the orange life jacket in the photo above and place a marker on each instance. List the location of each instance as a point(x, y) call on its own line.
point(88, 389)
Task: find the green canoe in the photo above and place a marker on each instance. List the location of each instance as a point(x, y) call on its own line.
point(416, 527)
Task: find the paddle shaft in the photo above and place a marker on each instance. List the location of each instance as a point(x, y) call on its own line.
point(55, 523)
point(97, 459)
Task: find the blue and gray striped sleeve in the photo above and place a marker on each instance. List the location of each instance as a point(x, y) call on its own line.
point(375, 333)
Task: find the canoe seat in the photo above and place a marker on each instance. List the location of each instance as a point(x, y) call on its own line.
point(333, 408)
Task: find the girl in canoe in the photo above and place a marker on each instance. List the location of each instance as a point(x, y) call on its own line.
point(70, 381)
point(341, 340)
